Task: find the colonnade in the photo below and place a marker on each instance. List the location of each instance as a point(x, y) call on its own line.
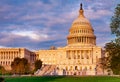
point(78, 31)
point(9, 54)
point(80, 54)
point(78, 69)
point(7, 57)
point(79, 39)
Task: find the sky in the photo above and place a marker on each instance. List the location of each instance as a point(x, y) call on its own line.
point(39, 24)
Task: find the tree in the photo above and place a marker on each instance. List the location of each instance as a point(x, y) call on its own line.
point(2, 70)
point(115, 23)
point(113, 47)
point(20, 66)
point(25, 65)
point(103, 63)
point(38, 64)
point(14, 65)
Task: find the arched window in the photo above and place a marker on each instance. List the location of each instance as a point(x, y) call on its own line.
point(80, 68)
point(78, 56)
point(74, 56)
point(3, 62)
point(79, 62)
point(90, 68)
point(87, 57)
point(82, 56)
point(6, 63)
point(66, 68)
point(85, 68)
point(70, 67)
point(76, 68)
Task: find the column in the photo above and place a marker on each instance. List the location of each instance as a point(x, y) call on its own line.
point(72, 40)
point(5, 55)
point(73, 54)
point(8, 55)
point(70, 54)
point(11, 56)
point(76, 39)
point(80, 54)
point(76, 54)
point(90, 40)
point(90, 57)
point(87, 39)
point(82, 39)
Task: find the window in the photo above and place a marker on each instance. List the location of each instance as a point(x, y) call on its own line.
point(82, 57)
point(78, 56)
point(87, 56)
point(90, 68)
point(80, 68)
point(76, 68)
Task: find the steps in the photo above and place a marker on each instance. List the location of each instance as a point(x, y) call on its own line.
point(46, 70)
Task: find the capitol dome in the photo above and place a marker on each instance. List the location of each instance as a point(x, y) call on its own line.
point(81, 31)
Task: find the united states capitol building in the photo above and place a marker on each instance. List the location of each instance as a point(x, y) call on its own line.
point(79, 57)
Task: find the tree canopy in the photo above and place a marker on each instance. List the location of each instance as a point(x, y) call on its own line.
point(113, 47)
point(2, 70)
point(38, 64)
point(20, 66)
point(115, 22)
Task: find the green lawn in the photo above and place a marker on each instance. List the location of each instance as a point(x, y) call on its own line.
point(64, 79)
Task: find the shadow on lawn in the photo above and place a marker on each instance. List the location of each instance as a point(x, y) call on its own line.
point(2, 79)
point(51, 78)
point(34, 79)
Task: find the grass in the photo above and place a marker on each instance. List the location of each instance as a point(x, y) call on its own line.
point(64, 79)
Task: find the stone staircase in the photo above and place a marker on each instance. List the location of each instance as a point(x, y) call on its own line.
point(45, 70)
point(50, 70)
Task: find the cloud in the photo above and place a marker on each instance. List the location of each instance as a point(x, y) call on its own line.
point(5, 8)
point(42, 23)
point(98, 14)
point(2, 46)
point(31, 35)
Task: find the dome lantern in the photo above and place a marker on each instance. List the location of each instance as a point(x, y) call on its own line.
point(81, 11)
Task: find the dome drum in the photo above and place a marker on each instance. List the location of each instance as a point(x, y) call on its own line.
point(81, 31)
point(81, 40)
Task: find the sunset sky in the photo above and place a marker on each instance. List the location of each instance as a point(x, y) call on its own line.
point(39, 24)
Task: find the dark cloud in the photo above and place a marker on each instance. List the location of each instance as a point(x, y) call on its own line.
point(44, 23)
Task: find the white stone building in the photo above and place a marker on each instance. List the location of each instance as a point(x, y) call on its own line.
point(80, 56)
